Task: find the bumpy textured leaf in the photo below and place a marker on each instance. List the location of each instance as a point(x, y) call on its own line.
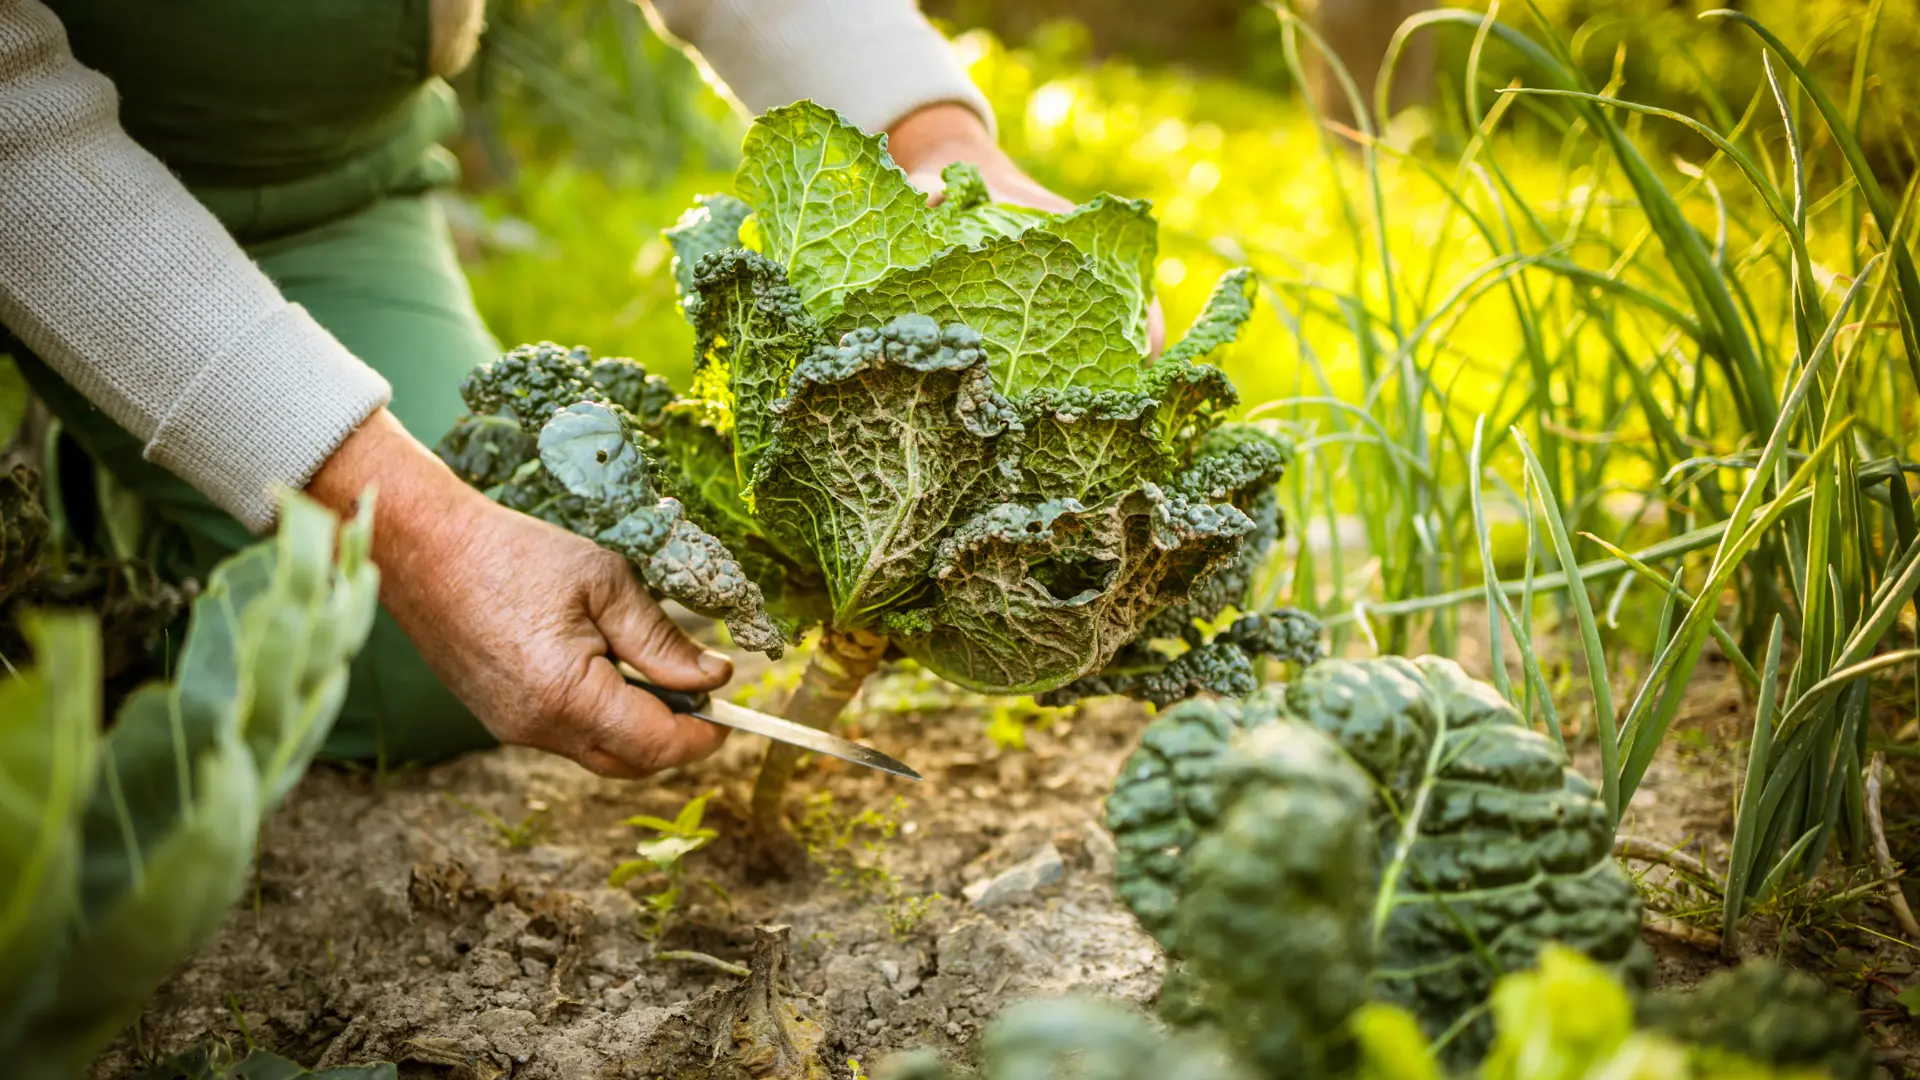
point(1769, 1014)
point(485, 451)
point(750, 325)
point(1048, 319)
point(1226, 665)
point(594, 453)
point(831, 208)
point(1228, 308)
point(23, 528)
point(1269, 922)
point(1088, 445)
point(878, 444)
point(1487, 845)
point(189, 770)
point(712, 224)
point(1033, 596)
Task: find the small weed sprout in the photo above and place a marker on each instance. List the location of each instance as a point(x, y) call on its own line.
point(852, 851)
point(513, 837)
point(672, 842)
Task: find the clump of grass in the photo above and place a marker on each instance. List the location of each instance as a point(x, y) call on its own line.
point(1709, 396)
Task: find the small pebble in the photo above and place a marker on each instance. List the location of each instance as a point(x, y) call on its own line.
point(1017, 883)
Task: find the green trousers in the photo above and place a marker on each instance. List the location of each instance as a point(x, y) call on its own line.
point(386, 282)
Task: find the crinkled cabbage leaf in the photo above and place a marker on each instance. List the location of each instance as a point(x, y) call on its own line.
point(936, 423)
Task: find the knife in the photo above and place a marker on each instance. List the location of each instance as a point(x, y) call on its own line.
point(704, 706)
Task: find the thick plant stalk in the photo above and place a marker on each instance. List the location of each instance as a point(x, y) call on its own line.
point(840, 664)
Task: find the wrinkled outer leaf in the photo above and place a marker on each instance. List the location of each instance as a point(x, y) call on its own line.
point(831, 207)
point(1088, 445)
point(1227, 309)
point(877, 446)
point(1034, 596)
point(748, 321)
point(1048, 319)
point(713, 224)
point(1488, 846)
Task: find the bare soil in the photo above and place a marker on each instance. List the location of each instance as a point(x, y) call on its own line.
point(389, 922)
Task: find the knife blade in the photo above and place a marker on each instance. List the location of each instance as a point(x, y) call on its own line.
point(703, 706)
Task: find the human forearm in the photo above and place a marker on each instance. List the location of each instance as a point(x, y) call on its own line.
point(422, 512)
point(873, 60)
point(132, 292)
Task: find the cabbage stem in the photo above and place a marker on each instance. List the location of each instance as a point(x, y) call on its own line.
point(841, 663)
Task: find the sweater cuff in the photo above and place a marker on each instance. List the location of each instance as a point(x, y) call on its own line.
point(873, 61)
point(240, 437)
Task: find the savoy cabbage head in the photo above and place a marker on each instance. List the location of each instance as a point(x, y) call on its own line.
point(937, 426)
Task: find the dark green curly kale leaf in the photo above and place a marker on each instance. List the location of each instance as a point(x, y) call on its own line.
point(1487, 844)
point(595, 455)
point(558, 435)
point(1269, 925)
point(1769, 1014)
point(712, 224)
point(1227, 665)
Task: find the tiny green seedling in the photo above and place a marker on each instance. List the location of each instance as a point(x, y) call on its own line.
point(512, 836)
point(672, 842)
point(852, 851)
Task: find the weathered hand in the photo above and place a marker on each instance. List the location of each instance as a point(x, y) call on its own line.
point(517, 616)
point(929, 139)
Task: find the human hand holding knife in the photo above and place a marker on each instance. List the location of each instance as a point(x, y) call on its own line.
point(704, 706)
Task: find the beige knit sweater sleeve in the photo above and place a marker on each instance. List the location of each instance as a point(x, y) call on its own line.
point(127, 287)
point(873, 60)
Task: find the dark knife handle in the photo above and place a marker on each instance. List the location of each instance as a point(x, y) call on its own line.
point(680, 701)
